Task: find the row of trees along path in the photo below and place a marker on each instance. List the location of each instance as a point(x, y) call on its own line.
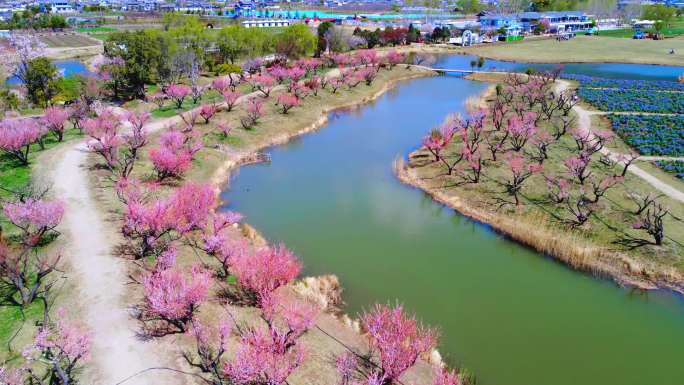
point(119, 353)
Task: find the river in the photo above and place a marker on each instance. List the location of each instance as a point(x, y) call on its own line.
point(509, 314)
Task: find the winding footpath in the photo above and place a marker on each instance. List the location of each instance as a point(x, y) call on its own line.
point(117, 351)
point(119, 354)
point(584, 124)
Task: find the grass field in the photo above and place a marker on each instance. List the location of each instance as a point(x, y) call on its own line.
point(95, 29)
point(675, 28)
point(13, 319)
point(13, 175)
point(586, 49)
point(60, 40)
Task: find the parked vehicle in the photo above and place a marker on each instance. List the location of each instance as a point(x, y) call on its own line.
point(639, 35)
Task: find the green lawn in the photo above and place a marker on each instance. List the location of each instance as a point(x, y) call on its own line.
point(674, 30)
point(14, 176)
point(12, 318)
point(169, 109)
point(95, 29)
point(586, 49)
point(626, 33)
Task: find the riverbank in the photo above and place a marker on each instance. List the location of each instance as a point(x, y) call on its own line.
point(585, 250)
point(544, 237)
point(586, 49)
point(334, 332)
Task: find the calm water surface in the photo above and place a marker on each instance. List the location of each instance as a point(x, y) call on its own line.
point(65, 67)
point(509, 314)
point(606, 70)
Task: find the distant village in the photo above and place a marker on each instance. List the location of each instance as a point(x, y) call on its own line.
point(483, 27)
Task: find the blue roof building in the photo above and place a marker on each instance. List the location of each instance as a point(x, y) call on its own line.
point(561, 21)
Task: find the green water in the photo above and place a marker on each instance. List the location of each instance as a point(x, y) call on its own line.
point(511, 315)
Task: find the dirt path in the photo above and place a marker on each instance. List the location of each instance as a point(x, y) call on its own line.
point(117, 352)
point(672, 158)
point(632, 113)
point(584, 123)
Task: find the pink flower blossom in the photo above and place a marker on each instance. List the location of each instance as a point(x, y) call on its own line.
point(398, 338)
point(174, 293)
point(178, 92)
point(265, 271)
point(55, 118)
point(34, 217)
point(16, 136)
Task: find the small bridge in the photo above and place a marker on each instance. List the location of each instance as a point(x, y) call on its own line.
point(447, 71)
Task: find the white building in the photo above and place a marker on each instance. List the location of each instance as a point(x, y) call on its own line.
point(60, 6)
point(265, 23)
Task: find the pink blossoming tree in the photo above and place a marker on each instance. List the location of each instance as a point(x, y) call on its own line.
point(174, 155)
point(35, 218)
point(150, 227)
point(207, 112)
point(17, 135)
point(173, 295)
point(261, 273)
point(254, 108)
point(54, 119)
point(230, 98)
point(60, 348)
point(178, 93)
point(287, 101)
point(578, 167)
point(520, 171)
point(398, 339)
point(264, 84)
point(224, 128)
point(105, 139)
point(26, 272)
